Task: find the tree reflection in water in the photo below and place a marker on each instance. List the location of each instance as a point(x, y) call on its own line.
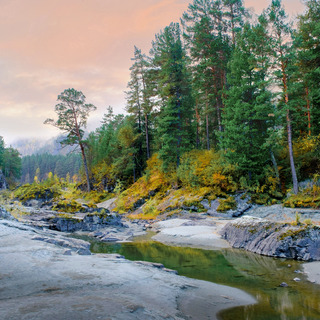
point(257, 275)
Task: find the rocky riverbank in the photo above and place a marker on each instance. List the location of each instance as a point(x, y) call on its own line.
point(45, 276)
point(275, 239)
point(273, 233)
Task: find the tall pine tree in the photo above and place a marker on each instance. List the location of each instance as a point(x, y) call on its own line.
point(248, 107)
point(283, 58)
point(175, 126)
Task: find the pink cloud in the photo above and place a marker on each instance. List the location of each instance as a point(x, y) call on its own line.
point(49, 45)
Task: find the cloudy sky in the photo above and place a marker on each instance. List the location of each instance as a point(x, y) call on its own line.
point(47, 46)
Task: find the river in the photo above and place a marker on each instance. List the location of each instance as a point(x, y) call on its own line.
point(258, 275)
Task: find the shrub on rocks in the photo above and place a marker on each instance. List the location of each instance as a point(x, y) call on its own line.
point(36, 191)
point(69, 206)
point(308, 198)
point(227, 204)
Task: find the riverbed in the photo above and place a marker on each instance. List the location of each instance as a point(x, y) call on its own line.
point(33, 271)
point(45, 275)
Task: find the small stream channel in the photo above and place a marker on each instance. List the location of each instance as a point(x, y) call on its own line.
point(258, 275)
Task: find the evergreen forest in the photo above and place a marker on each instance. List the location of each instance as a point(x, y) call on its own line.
point(222, 90)
point(223, 102)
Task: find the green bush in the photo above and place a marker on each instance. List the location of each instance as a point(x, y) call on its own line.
point(227, 204)
point(68, 206)
point(36, 191)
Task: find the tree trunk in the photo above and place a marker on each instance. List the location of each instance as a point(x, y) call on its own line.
point(198, 125)
point(293, 168)
point(82, 150)
point(275, 166)
point(179, 130)
point(219, 115)
point(146, 114)
point(289, 128)
point(308, 111)
point(147, 136)
point(85, 166)
point(207, 122)
point(218, 107)
point(207, 131)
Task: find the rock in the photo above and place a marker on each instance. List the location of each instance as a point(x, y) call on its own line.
point(152, 264)
point(205, 204)
point(89, 222)
point(80, 246)
point(283, 284)
point(274, 239)
point(108, 204)
point(110, 239)
point(242, 207)
point(4, 214)
point(170, 270)
point(191, 208)
point(115, 256)
point(139, 203)
point(213, 208)
point(83, 252)
point(39, 282)
point(296, 279)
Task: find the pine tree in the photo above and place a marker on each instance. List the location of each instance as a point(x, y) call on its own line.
point(2, 148)
point(248, 102)
point(11, 164)
point(72, 114)
point(207, 37)
point(308, 45)
point(138, 97)
point(175, 126)
point(283, 55)
point(235, 13)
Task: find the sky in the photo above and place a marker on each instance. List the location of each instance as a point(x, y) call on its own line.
point(52, 45)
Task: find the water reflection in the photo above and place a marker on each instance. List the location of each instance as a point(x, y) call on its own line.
point(258, 275)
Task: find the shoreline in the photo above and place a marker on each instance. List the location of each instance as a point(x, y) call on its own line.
point(48, 281)
point(197, 234)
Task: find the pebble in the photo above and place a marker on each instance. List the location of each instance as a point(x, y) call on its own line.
point(283, 284)
point(296, 279)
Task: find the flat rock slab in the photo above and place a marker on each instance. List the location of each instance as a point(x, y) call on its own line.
point(279, 213)
point(38, 280)
point(193, 233)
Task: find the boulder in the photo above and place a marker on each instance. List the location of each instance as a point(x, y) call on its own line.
point(4, 214)
point(243, 206)
point(90, 222)
point(274, 239)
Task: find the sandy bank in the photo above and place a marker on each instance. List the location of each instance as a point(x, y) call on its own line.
point(202, 233)
point(40, 280)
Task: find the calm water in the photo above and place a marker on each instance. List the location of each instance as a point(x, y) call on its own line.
point(255, 274)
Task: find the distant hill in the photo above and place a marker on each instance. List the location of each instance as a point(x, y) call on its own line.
point(28, 147)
